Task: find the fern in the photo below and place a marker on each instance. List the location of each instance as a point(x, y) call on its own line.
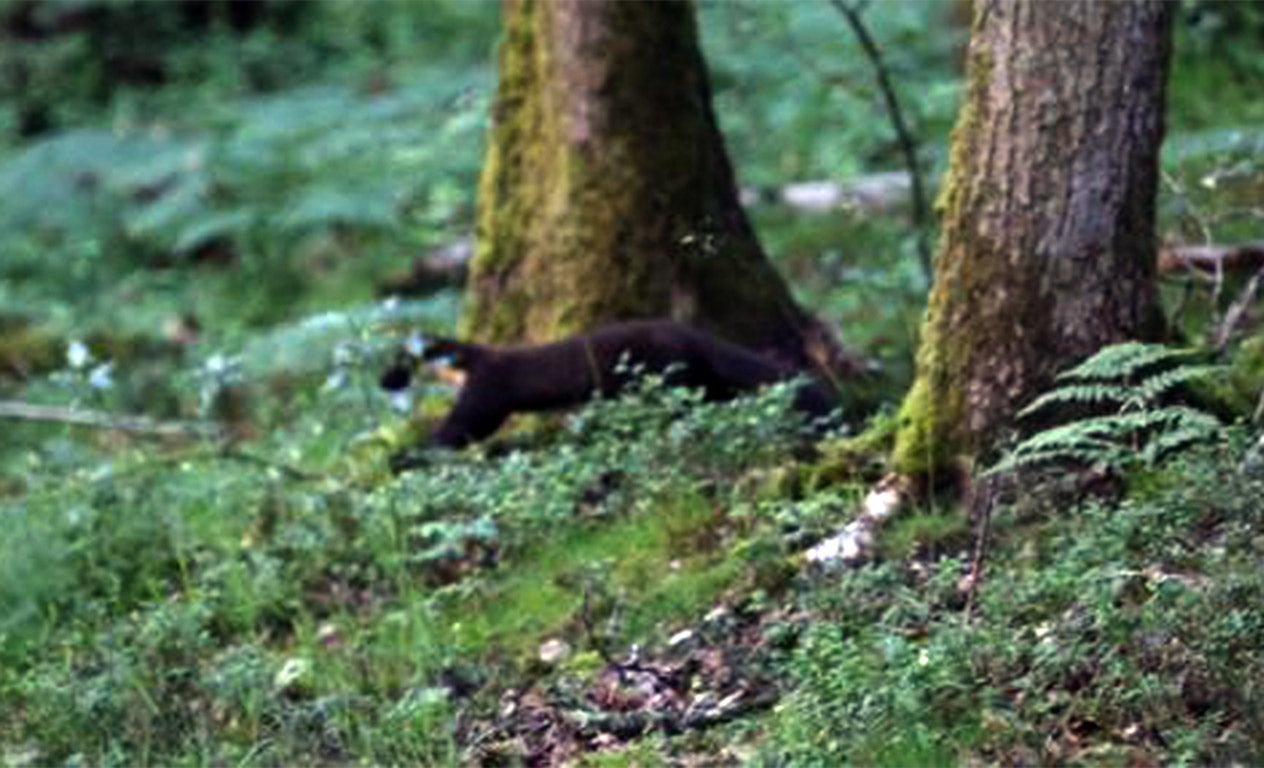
point(1126, 385)
point(1121, 361)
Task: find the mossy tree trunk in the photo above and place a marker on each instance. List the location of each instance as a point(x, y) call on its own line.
point(607, 193)
point(1048, 246)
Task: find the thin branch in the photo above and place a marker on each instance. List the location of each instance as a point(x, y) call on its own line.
point(81, 417)
point(908, 145)
point(981, 504)
point(1237, 310)
point(1207, 258)
point(143, 425)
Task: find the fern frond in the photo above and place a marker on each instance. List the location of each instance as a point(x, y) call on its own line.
point(207, 227)
point(1167, 442)
point(1124, 425)
point(1159, 384)
point(1081, 394)
point(1139, 431)
point(1111, 456)
point(1185, 417)
point(1121, 361)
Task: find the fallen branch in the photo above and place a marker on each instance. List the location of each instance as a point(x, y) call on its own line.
point(143, 425)
point(1211, 259)
point(1237, 310)
point(854, 544)
point(82, 417)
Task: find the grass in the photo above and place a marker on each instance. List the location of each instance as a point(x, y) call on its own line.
point(655, 556)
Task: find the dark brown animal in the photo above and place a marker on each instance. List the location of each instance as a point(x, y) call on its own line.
point(502, 380)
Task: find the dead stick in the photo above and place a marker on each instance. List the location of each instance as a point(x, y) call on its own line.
point(988, 493)
point(143, 425)
point(1237, 309)
point(82, 417)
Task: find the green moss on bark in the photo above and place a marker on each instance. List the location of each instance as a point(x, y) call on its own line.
point(1047, 249)
point(606, 192)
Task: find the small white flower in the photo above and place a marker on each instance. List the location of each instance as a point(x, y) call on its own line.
point(401, 401)
point(294, 670)
point(337, 380)
point(102, 376)
point(923, 658)
point(77, 354)
point(216, 364)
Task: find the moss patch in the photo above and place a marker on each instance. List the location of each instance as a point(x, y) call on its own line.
point(929, 535)
point(668, 556)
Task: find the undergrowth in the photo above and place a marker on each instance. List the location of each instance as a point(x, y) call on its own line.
point(197, 609)
point(1108, 634)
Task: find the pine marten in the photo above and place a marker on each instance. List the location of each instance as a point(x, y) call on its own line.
point(502, 380)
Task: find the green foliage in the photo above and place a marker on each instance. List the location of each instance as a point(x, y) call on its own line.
point(66, 62)
point(926, 535)
point(870, 689)
point(1111, 635)
point(1213, 64)
point(790, 81)
point(1132, 383)
point(277, 186)
point(172, 609)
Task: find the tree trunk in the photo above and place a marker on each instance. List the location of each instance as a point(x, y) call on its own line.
point(1048, 247)
point(607, 193)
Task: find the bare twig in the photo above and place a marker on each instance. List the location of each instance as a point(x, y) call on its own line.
point(81, 417)
point(143, 425)
point(1237, 309)
point(908, 145)
point(981, 504)
point(1207, 258)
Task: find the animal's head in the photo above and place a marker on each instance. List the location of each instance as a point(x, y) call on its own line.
point(453, 358)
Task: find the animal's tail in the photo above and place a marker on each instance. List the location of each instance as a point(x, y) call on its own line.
point(399, 374)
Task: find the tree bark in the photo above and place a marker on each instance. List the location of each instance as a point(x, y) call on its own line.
point(607, 193)
point(1048, 247)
